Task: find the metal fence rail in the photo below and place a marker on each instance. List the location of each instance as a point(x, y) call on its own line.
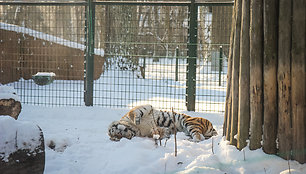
point(118, 54)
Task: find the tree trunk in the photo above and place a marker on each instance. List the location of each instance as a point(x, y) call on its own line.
point(235, 75)
point(202, 46)
point(270, 71)
point(244, 78)
point(168, 32)
point(284, 81)
point(298, 81)
point(256, 72)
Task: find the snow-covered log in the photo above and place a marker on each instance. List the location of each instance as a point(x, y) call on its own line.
point(21, 147)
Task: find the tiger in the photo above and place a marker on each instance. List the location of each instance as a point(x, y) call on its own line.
point(144, 120)
point(129, 125)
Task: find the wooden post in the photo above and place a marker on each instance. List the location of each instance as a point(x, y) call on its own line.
point(256, 72)
point(228, 101)
point(235, 74)
point(244, 78)
point(270, 71)
point(229, 119)
point(284, 80)
point(298, 78)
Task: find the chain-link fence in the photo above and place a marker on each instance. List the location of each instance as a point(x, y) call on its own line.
point(119, 54)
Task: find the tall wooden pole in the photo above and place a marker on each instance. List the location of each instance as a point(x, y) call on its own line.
point(228, 101)
point(270, 71)
point(284, 80)
point(256, 73)
point(298, 81)
point(244, 78)
point(235, 74)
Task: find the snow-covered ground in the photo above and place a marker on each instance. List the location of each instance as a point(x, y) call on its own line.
point(82, 146)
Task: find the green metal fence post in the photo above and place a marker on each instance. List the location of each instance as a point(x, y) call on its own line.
point(192, 56)
point(89, 61)
point(144, 68)
point(220, 65)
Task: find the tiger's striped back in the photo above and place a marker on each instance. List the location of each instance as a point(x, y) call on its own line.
point(136, 114)
point(197, 128)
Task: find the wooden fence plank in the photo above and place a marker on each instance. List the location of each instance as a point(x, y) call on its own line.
point(235, 75)
point(298, 81)
point(256, 73)
point(270, 71)
point(227, 114)
point(284, 80)
point(244, 78)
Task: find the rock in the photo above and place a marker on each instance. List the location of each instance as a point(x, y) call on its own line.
point(22, 149)
point(9, 102)
point(10, 107)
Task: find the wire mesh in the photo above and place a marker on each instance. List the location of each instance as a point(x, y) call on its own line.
point(140, 54)
point(146, 56)
point(40, 38)
point(214, 25)
point(140, 44)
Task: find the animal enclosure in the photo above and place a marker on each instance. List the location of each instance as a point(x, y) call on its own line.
point(118, 53)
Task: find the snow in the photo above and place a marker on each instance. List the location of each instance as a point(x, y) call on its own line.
point(80, 144)
point(50, 74)
point(47, 37)
point(8, 92)
point(17, 135)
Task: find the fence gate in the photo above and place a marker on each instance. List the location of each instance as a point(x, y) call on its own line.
point(118, 53)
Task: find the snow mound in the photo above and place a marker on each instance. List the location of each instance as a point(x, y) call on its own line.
point(7, 92)
point(51, 74)
point(291, 171)
point(17, 135)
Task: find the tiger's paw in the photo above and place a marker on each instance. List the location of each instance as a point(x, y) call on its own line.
point(160, 133)
point(197, 138)
point(122, 129)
